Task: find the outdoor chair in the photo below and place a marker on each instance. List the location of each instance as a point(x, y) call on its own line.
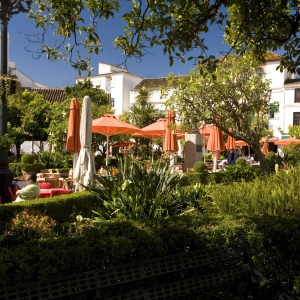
point(45, 185)
point(53, 181)
point(24, 174)
point(11, 194)
point(69, 180)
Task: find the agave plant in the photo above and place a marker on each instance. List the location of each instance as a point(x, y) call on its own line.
point(137, 193)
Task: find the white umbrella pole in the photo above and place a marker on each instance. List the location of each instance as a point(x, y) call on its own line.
point(152, 151)
point(172, 155)
point(107, 140)
point(215, 154)
point(75, 159)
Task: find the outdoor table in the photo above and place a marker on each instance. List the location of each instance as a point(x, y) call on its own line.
point(61, 181)
point(44, 193)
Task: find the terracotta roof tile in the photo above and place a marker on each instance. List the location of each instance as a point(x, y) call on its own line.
point(153, 83)
point(50, 94)
point(271, 56)
point(295, 81)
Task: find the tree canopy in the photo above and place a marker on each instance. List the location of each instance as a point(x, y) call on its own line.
point(179, 26)
point(60, 112)
point(233, 96)
point(30, 123)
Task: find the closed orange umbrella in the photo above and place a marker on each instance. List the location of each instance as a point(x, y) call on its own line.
point(265, 148)
point(110, 125)
point(215, 144)
point(205, 131)
point(287, 141)
point(73, 137)
point(171, 142)
point(230, 141)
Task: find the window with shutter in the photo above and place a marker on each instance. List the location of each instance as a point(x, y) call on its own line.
point(297, 95)
point(296, 119)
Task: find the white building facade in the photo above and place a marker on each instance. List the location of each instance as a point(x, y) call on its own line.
point(117, 82)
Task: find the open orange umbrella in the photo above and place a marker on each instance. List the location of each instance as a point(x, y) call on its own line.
point(124, 144)
point(265, 148)
point(73, 137)
point(230, 141)
point(287, 141)
point(153, 131)
point(241, 143)
point(215, 144)
point(156, 129)
point(109, 125)
point(171, 142)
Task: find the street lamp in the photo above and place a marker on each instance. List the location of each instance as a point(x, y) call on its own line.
point(8, 8)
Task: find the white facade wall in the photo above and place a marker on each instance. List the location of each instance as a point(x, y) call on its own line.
point(116, 81)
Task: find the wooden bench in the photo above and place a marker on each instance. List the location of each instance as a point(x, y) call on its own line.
point(170, 277)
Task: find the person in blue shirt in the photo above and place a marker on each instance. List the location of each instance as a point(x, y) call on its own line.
point(232, 157)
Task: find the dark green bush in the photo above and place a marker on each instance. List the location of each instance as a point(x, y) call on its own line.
point(274, 243)
point(241, 161)
point(200, 167)
point(99, 161)
point(27, 158)
point(17, 168)
point(55, 159)
point(237, 173)
point(61, 209)
point(190, 178)
point(271, 160)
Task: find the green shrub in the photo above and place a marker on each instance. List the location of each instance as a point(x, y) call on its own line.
point(190, 178)
point(54, 160)
point(135, 193)
point(292, 154)
point(274, 243)
point(275, 195)
point(99, 161)
point(238, 173)
point(61, 209)
point(27, 225)
point(241, 161)
point(271, 160)
point(27, 159)
point(17, 168)
point(200, 167)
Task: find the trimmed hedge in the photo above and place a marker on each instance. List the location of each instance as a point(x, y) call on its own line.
point(274, 242)
point(17, 168)
point(63, 208)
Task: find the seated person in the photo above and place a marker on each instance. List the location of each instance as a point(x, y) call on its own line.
point(30, 191)
point(232, 157)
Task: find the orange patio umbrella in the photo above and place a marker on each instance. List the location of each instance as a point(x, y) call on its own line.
point(230, 144)
point(109, 125)
point(171, 142)
point(287, 141)
point(124, 144)
point(73, 136)
point(153, 131)
point(205, 130)
point(156, 129)
point(241, 143)
point(265, 148)
point(215, 144)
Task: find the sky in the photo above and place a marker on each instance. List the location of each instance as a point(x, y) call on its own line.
point(59, 74)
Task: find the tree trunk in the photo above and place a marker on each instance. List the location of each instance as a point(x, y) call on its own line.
point(263, 163)
point(18, 148)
